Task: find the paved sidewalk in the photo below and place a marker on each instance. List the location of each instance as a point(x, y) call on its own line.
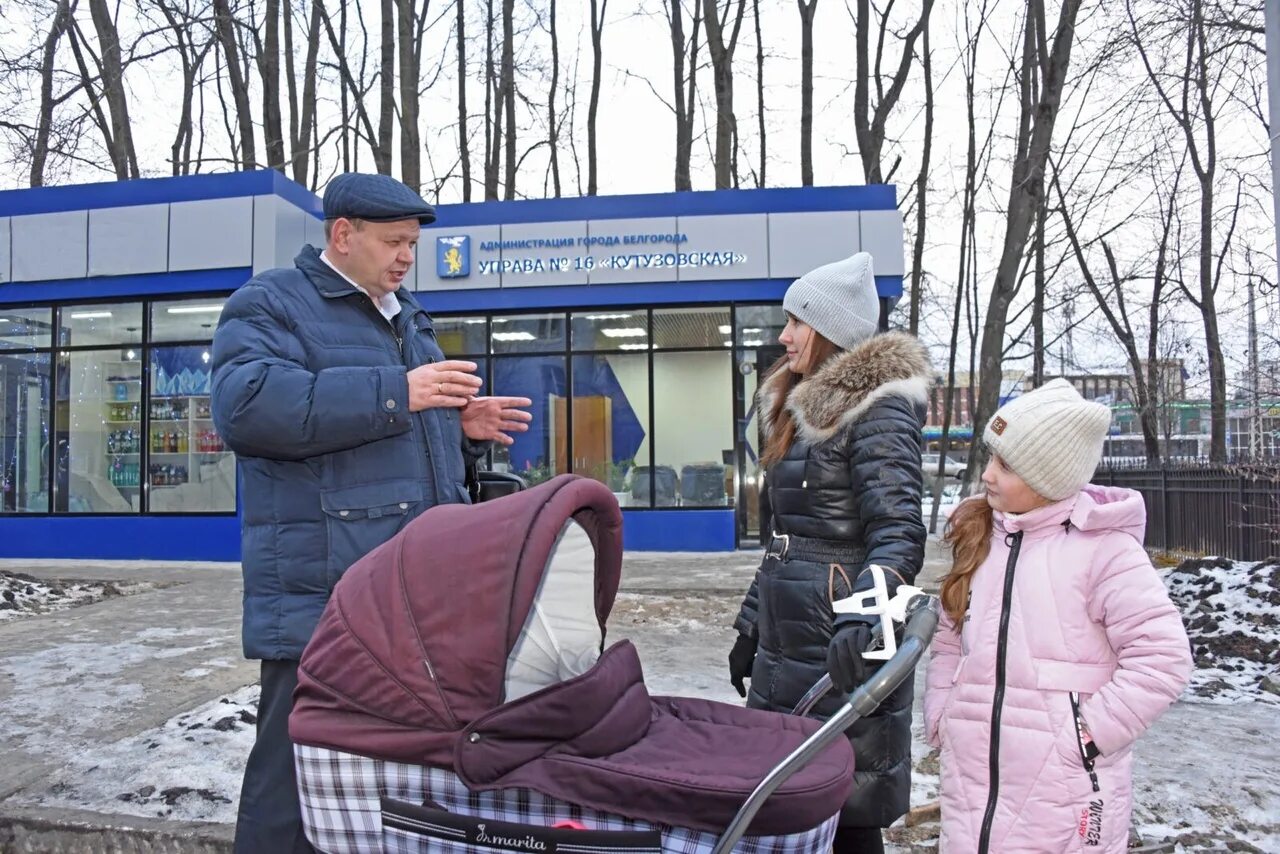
point(76, 680)
point(74, 683)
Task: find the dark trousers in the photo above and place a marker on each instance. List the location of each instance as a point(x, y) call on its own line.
point(858, 840)
point(270, 819)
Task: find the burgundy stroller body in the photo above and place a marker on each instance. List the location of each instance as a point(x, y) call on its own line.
point(457, 696)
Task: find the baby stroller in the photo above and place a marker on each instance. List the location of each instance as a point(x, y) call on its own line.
point(455, 697)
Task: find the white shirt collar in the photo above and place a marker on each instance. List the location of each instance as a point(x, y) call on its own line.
point(387, 303)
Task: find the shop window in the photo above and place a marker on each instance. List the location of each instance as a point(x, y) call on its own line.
point(528, 333)
point(611, 330)
point(610, 423)
point(188, 467)
point(461, 336)
point(99, 325)
point(187, 320)
point(26, 328)
point(540, 453)
point(692, 429)
point(98, 438)
point(691, 327)
point(24, 432)
point(759, 325)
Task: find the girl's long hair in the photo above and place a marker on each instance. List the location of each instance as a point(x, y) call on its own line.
point(782, 430)
point(968, 534)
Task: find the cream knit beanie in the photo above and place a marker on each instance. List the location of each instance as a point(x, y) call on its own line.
point(839, 300)
point(1050, 437)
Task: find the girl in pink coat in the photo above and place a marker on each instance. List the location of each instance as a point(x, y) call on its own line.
point(1058, 647)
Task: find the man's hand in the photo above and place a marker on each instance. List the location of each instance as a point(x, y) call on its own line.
point(490, 419)
point(445, 384)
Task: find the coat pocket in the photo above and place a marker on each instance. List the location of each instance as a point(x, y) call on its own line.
point(362, 517)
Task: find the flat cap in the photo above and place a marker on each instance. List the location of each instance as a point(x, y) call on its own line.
point(376, 198)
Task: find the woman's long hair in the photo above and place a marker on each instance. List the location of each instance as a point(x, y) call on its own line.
point(968, 534)
point(782, 427)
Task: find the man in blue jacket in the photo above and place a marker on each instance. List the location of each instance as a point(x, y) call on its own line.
point(347, 422)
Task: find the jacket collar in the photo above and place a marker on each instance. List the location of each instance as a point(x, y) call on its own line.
point(842, 390)
point(331, 285)
point(1038, 522)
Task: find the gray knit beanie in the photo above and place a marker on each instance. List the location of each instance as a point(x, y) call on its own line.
point(839, 300)
point(1050, 437)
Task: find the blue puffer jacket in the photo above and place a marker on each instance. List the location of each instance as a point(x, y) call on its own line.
point(309, 390)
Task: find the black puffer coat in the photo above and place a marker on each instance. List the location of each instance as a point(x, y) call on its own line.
point(853, 477)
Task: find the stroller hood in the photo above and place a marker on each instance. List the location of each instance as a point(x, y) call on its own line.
point(415, 642)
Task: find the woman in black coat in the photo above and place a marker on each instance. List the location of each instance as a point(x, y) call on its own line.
point(841, 415)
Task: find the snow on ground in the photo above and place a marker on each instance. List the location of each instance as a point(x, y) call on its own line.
point(1232, 613)
point(187, 769)
point(1205, 775)
point(24, 596)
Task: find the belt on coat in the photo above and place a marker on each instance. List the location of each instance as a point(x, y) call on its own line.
point(786, 547)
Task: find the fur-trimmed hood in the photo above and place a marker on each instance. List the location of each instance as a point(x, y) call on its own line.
point(843, 389)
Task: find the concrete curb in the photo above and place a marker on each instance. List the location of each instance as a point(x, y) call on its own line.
point(34, 830)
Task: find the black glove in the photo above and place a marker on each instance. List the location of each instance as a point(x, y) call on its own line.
point(845, 663)
point(741, 659)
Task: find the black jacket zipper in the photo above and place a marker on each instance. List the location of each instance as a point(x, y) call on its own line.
point(1076, 722)
point(1014, 542)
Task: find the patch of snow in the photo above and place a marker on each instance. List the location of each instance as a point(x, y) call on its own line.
point(1232, 613)
point(26, 596)
point(190, 768)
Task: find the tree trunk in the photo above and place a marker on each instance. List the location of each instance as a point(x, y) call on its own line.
point(464, 151)
point(597, 37)
point(269, 68)
point(300, 131)
point(553, 128)
point(1037, 304)
point(509, 94)
point(44, 125)
point(381, 154)
point(869, 123)
point(120, 145)
point(410, 141)
point(492, 112)
point(684, 88)
point(1026, 192)
point(225, 26)
point(764, 151)
point(922, 189)
point(807, 11)
point(721, 50)
point(386, 86)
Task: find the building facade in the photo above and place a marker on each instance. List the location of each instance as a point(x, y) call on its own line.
point(638, 325)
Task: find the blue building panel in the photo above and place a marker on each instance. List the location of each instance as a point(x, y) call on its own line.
point(121, 537)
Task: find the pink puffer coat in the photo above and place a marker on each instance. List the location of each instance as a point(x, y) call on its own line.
point(1066, 617)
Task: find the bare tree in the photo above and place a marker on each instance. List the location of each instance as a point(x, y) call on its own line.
point(225, 26)
point(807, 12)
point(508, 92)
point(44, 123)
point(493, 93)
point(1042, 72)
point(764, 150)
point(553, 126)
point(302, 115)
point(685, 72)
point(922, 187)
point(721, 50)
point(411, 24)
point(598, 8)
point(119, 136)
point(387, 83)
point(1187, 93)
point(381, 153)
point(870, 122)
point(269, 69)
point(464, 152)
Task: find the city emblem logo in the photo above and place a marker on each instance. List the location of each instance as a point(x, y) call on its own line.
point(453, 257)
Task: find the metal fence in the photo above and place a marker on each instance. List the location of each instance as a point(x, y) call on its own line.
point(1231, 510)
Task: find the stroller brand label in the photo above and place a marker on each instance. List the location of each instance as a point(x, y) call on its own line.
point(522, 843)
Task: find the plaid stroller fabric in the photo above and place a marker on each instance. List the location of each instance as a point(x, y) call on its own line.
point(341, 796)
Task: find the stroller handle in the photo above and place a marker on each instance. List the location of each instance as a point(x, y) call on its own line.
point(922, 621)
